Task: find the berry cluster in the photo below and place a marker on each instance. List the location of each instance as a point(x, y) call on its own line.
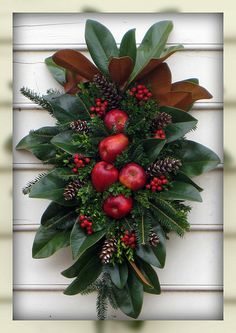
point(158, 184)
point(140, 92)
point(129, 239)
point(86, 223)
point(99, 108)
point(80, 161)
point(160, 134)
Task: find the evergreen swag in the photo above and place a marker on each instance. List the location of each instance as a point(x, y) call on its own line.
point(120, 176)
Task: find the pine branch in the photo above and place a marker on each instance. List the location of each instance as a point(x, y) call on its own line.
point(37, 99)
point(102, 303)
point(28, 186)
point(169, 217)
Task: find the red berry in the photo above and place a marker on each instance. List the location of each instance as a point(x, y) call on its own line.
point(159, 188)
point(74, 170)
point(98, 100)
point(92, 108)
point(164, 181)
point(87, 160)
point(82, 217)
point(103, 108)
point(133, 89)
point(89, 232)
point(82, 225)
point(145, 90)
point(154, 188)
point(105, 103)
point(162, 177)
point(76, 156)
point(131, 93)
point(149, 94)
point(148, 186)
point(99, 103)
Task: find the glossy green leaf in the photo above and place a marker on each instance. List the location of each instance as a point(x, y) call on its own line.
point(180, 176)
point(181, 191)
point(182, 123)
point(87, 275)
point(75, 269)
point(197, 158)
point(51, 187)
point(58, 217)
point(80, 241)
point(154, 255)
point(130, 298)
point(152, 45)
point(153, 147)
point(67, 108)
point(38, 143)
point(48, 241)
point(101, 44)
point(57, 72)
point(151, 275)
point(128, 45)
point(64, 141)
point(118, 274)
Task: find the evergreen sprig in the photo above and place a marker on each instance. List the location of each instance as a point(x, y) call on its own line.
point(37, 99)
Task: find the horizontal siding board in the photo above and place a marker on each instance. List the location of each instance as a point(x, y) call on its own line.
point(56, 306)
point(58, 28)
point(30, 71)
point(208, 212)
point(209, 131)
point(194, 260)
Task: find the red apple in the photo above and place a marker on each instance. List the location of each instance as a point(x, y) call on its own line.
point(103, 175)
point(112, 146)
point(133, 176)
point(117, 206)
point(116, 120)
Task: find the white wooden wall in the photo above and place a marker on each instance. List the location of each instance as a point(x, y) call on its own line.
point(192, 278)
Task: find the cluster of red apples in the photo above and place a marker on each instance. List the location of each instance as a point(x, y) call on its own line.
point(104, 173)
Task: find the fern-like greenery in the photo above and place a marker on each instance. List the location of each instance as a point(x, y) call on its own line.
point(37, 99)
point(171, 218)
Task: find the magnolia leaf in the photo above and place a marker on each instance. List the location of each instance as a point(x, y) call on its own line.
point(118, 274)
point(75, 269)
point(128, 45)
point(140, 274)
point(181, 191)
point(88, 273)
point(51, 187)
point(178, 99)
point(197, 91)
point(58, 217)
point(48, 241)
point(120, 69)
point(150, 273)
point(80, 241)
point(75, 62)
point(159, 80)
point(130, 298)
point(153, 147)
point(197, 158)
point(67, 108)
point(101, 44)
point(154, 63)
point(57, 72)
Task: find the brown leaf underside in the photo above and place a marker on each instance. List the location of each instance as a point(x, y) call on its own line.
point(140, 274)
point(120, 69)
point(76, 62)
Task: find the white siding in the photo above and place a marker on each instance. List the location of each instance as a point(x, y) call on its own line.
point(192, 278)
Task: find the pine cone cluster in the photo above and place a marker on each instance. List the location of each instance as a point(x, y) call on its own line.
point(153, 239)
point(161, 121)
point(71, 189)
point(80, 126)
point(108, 89)
point(163, 166)
point(109, 247)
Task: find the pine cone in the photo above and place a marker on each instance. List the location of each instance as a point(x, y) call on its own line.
point(153, 239)
point(161, 121)
point(109, 247)
point(108, 89)
point(80, 126)
point(72, 188)
point(163, 166)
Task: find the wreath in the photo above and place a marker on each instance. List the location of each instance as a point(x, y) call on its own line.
point(121, 165)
